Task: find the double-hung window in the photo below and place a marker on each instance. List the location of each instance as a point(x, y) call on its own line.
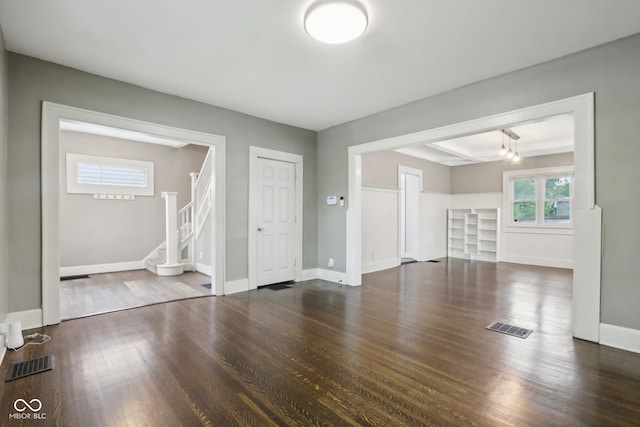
point(539, 198)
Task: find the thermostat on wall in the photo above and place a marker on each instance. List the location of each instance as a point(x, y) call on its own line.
point(332, 200)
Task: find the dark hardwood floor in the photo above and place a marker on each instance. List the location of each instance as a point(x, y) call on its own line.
point(407, 348)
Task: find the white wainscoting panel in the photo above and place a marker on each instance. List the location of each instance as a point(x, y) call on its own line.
point(433, 242)
point(549, 250)
point(476, 200)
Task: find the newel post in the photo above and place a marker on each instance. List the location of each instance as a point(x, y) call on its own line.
point(171, 216)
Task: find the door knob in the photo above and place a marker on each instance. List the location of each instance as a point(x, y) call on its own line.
point(260, 229)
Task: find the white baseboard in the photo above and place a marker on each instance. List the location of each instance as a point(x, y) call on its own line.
point(101, 268)
point(204, 269)
point(242, 285)
point(383, 264)
point(332, 276)
point(543, 262)
point(310, 274)
point(620, 337)
point(235, 286)
point(29, 319)
point(432, 255)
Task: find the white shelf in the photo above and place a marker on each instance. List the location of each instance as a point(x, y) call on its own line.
point(473, 234)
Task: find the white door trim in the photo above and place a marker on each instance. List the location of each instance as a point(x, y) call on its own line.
point(254, 154)
point(587, 257)
point(401, 207)
point(52, 113)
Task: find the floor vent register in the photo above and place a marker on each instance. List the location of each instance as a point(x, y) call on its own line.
point(514, 331)
point(30, 367)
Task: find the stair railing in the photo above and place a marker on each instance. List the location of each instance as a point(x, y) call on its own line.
point(201, 191)
point(189, 221)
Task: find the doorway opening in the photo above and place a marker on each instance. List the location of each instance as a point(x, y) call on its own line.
point(52, 116)
point(588, 216)
point(410, 185)
point(116, 249)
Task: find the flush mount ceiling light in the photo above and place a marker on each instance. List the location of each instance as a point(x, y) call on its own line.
point(335, 21)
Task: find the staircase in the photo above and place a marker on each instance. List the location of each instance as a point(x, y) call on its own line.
point(184, 227)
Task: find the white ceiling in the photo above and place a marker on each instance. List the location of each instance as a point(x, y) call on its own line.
point(254, 56)
point(550, 136)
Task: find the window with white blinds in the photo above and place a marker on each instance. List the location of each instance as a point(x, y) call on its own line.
point(100, 174)
point(107, 175)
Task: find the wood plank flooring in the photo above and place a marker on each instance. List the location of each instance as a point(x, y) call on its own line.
point(106, 292)
point(407, 348)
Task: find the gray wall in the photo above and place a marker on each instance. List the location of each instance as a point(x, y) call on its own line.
point(487, 177)
point(380, 169)
point(611, 71)
point(112, 231)
point(32, 81)
point(4, 278)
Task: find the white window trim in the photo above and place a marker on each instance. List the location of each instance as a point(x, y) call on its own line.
point(74, 187)
point(539, 227)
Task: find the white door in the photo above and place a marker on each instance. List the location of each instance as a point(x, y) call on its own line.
point(410, 220)
point(276, 221)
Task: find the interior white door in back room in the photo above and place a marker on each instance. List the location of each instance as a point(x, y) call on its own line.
point(276, 222)
point(410, 221)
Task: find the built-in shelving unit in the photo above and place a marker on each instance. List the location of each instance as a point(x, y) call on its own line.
point(474, 234)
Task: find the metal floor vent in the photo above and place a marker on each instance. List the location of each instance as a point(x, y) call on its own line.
point(433, 260)
point(505, 328)
point(81, 276)
point(30, 367)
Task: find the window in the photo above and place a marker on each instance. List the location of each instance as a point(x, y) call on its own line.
point(101, 174)
point(557, 199)
point(540, 198)
point(108, 175)
point(524, 200)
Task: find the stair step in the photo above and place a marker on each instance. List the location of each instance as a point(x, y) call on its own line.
point(155, 261)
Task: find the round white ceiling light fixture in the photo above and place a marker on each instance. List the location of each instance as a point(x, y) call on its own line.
point(336, 21)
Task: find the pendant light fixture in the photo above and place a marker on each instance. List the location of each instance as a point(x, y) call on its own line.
point(336, 21)
point(509, 154)
point(503, 150)
point(516, 156)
